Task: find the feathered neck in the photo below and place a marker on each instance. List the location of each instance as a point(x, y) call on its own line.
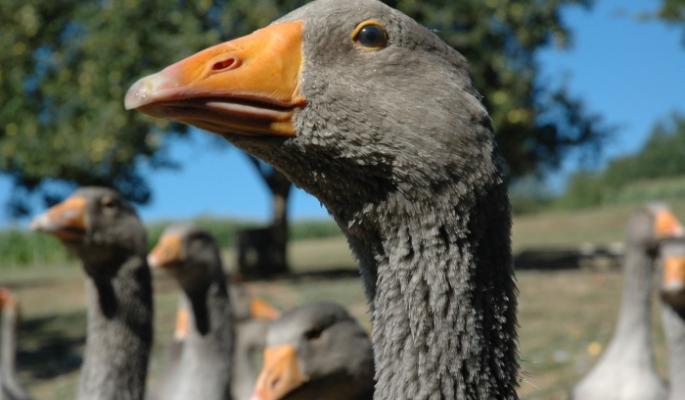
point(674, 327)
point(439, 278)
point(206, 360)
point(119, 340)
point(633, 333)
point(9, 318)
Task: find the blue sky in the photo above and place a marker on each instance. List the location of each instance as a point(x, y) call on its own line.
point(630, 72)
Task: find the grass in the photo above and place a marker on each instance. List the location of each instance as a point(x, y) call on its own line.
point(564, 316)
point(550, 229)
point(560, 315)
point(21, 248)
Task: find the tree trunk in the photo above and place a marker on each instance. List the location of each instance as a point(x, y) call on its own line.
point(279, 222)
point(263, 251)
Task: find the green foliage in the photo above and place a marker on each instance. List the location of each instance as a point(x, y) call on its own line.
point(26, 248)
point(314, 229)
point(673, 10)
point(21, 248)
point(529, 195)
point(65, 67)
point(628, 178)
point(584, 189)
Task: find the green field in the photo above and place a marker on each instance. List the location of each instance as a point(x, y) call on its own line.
point(563, 315)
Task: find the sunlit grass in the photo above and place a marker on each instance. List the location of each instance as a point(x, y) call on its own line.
point(561, 314)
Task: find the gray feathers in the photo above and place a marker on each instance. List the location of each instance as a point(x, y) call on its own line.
point(204, 368)
point(626, 369)
point(332, 350)
point(398, 147)
point(119, 299)
point(10, 387)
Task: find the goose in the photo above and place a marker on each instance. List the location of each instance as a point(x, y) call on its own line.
point(378, 118)
point(169, 376)
point(673, 313)
point(316, 351)
point(252, 319)
point(247, 307)
point(10, 387)
point(204, 369)
point(104, 231)
point(626, 369)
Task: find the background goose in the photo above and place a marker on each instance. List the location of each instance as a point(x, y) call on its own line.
point(10, 388)
point(377, 117)
point(103, 230)
point(252, 317)
point(673, 313)
point(247, 307)
point(316, 351)
point(626, 369)
point(204, 370)
point(170, 375)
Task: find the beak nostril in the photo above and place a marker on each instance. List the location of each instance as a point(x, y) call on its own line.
point(229, 63)
point(275, 382)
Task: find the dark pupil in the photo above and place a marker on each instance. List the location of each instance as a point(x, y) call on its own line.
point(372, 36)
point(313, 333)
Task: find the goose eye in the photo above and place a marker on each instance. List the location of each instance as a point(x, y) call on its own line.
point(107, 202)
point(313, 333)
point(372, 35)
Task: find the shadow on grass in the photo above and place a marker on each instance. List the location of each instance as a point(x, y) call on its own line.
point(332, 273)
point(556, 259)
point(51, 345)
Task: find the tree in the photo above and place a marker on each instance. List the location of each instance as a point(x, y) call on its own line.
point(66, 65)
point(661, 158)
point(673, 12)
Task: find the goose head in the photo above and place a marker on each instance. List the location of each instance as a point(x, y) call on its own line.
point(6, 299)
point(672, 255)
point(651, 225)
point(352, 100)
point(188, 253)
point(98, 225)
point(316, 351)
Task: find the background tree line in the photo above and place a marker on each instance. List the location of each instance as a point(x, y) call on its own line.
point(66, 65)
point(655, 171)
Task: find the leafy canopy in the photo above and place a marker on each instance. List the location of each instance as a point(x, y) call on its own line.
point(66, 65)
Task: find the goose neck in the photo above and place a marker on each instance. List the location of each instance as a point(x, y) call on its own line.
point(674, 328)
point(633, 326)
point(120, 314)
point(440, 279)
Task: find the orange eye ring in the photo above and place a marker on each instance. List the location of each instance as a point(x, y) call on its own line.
point(370, 35)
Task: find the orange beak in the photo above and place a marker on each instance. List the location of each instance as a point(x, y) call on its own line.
point(66, 220)
point(167, 251)
point(6, 298)
point(280, 375)
point(667, 225)
point(262, 309)
point(673, 281)
point(247, 86)
point(181, 329)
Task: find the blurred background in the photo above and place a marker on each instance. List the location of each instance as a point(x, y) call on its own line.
point(587, 98)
